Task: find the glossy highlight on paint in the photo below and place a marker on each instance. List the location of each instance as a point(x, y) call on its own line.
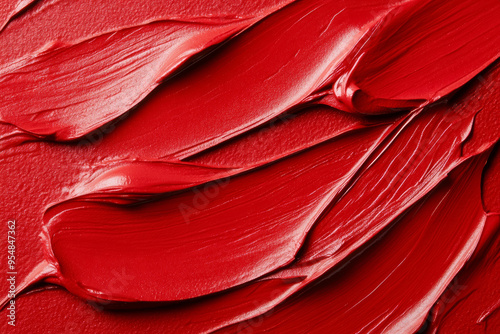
point(196, 167)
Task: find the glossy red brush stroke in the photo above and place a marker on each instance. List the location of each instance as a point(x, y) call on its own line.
point(254, 206)
point(133, 181)
point(402, 165)
point(63, 165)
point(471, 302)
point(66, 90)
point(419, 53)
point(403, 272)
point(70, 100)
point(188, 120)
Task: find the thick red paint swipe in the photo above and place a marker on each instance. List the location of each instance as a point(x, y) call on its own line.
point(471, 302)
point(180, 114)
point(51, 102)
point(419, 53)
point(64, 95)
point(403, 272)
point(274, 166)
point(225, 228)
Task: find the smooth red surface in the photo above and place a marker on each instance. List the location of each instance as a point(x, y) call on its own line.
point(270, 166)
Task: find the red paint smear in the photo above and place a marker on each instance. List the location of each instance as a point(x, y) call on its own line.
point(64, 95)
point(419, 53)
point(276, 205)
point(290, 208)
point(181, 116)
point(471, 301)
point(403, 272)
point(70, 100)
